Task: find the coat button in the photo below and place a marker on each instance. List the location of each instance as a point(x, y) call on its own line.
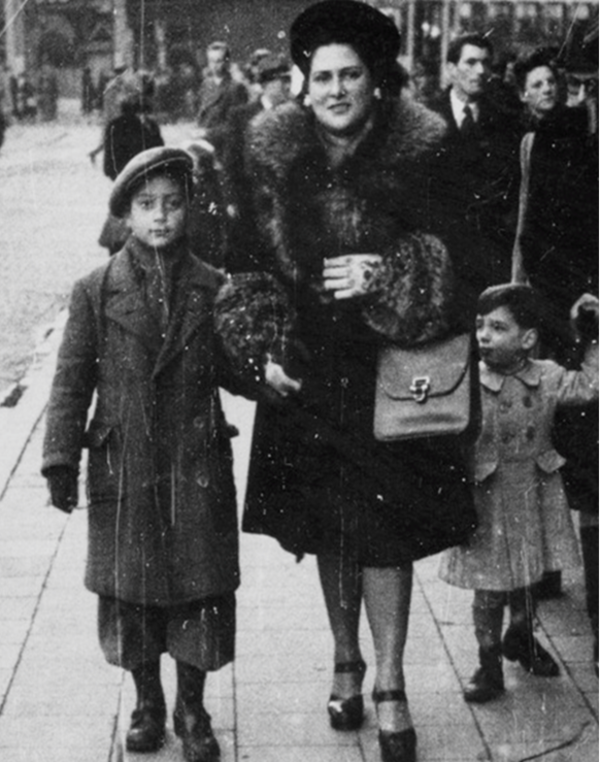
point(203, 480)
point(199, 423)
point(530, 433)
point(527, 402)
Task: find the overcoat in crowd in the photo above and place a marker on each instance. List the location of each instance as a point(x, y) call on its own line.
point(317, 476)
point(162, 506)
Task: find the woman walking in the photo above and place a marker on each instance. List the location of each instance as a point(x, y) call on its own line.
point(339, 197)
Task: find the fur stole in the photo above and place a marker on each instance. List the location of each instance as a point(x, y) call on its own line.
point(377, 200)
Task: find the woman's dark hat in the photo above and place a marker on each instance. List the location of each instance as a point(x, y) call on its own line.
point(171, 161)
point(372, 33)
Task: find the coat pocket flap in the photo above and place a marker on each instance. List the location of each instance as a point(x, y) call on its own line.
point(485, 469)
point(550, 461)
point(97, 434)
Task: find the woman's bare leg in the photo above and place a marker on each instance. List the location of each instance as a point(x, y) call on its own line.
point(387, 594)
point(341, 582)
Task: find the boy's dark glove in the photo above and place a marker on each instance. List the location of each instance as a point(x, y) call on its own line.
point(586, 324)
point(62, 484)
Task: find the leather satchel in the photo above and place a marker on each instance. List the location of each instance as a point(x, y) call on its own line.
point(423, 391)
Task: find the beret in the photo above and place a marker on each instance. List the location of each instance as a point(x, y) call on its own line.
point(174, 161)
point(374, 34)
point(272, 66)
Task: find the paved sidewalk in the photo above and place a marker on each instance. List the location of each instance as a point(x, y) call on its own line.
point(59, 701)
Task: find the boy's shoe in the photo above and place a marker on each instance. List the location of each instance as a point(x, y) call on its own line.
point(147, 729)
point(520, 645)
point(483, 687)
point(191, 721)
point(487, 683)
point(197, 737)
point(549, 587)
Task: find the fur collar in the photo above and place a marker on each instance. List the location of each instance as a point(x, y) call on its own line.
point(278, 137)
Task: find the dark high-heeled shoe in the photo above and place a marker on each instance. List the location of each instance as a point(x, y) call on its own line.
point(347, 714)
point(396, 746)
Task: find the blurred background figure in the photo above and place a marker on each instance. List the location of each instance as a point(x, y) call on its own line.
point(251, 72)
point(273, 77)
point(219, 94)
point(88, 91)
point(26, 98)
point(102, 84)
point(124, 86)
point(424, 81)
point(207, 228)
point(558, 245)
point(47, 93)
point(132, 132)
point(5, 102)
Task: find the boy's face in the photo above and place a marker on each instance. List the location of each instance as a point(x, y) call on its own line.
point(502, 343)
point(157, 214)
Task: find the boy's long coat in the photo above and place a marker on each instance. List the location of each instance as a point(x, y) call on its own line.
point(162, 508)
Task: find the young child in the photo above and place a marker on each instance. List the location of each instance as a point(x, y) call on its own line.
point(524, 521)
point(163, 538)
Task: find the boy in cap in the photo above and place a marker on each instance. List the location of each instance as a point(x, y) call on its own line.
point(162, 539)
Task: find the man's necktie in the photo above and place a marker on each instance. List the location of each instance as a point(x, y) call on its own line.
point(468, 123)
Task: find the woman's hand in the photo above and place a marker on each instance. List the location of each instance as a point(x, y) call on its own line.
point(277, 379)
point(350, 275)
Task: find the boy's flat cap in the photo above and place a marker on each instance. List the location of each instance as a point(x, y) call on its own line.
point(174, 161)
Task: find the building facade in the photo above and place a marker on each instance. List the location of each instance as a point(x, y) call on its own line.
point(155, 34)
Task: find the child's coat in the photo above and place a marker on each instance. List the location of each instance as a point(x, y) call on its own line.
point(162, 507)
point(525, 525)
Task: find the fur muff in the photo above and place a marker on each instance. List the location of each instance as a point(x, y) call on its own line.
point(254, 319)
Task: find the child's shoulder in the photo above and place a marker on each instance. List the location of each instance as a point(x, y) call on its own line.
point(545, 366)
point(540, 371)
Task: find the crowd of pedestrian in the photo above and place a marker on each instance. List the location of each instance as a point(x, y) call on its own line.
point(299, 235)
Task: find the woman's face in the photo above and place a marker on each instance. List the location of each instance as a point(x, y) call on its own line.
point(340, 89)
point(540, 93)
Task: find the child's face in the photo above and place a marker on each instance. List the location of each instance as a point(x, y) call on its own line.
point(502, 343)
point(157, 214)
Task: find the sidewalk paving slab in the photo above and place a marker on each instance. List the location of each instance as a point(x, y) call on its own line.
point(60, 702)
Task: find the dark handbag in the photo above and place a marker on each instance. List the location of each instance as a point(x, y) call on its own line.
point(423, 391)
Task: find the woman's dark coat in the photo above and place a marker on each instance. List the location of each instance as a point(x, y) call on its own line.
point(162, 507)
point(317, 477)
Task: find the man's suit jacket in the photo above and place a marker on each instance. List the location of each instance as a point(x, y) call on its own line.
point(216, 101)
point(479, 172)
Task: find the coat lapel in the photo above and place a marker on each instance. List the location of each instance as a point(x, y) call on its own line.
point(125, 303)
point(212, 94)
point(191, 307)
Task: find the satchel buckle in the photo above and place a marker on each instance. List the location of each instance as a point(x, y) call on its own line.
point(420, 388)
